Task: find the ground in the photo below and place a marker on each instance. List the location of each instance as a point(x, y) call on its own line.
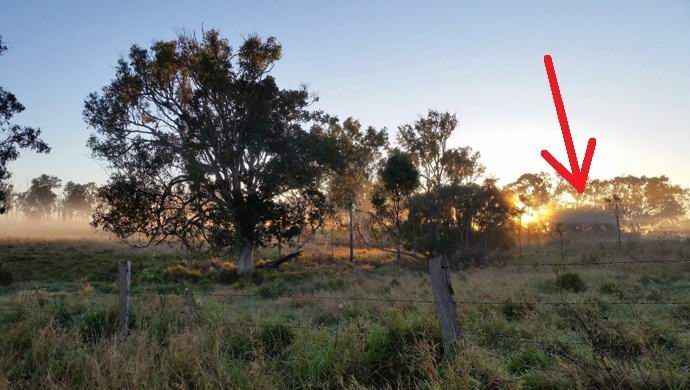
point(325, 323)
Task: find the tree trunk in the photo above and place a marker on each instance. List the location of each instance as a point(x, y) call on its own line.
point(446, 309)
point(332, 250)
point(352, 248)
point(246, 258)
point(397, 234)
point(618, 227)
point(519, 240)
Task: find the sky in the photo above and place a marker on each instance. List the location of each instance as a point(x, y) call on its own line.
point(623, 68)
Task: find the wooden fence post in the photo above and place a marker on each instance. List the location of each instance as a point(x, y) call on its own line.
point(446, 309)
point(124, 272)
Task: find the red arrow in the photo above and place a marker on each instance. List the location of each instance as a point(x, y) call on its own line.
point(576, 177)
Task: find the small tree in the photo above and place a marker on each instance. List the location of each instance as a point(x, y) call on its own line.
point(533, 191)
point(39, 200)
point(426, 140)
point(359, 151)
point(78, 198)
point(205, 148)
point(614, 202)
point(13, 138)
point(398, 179)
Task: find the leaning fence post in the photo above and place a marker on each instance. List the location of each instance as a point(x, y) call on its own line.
point(124, 272)
point(446, 309)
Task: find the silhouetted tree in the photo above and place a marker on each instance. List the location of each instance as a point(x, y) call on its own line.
point(8, 198)
point(427, 142)
point(204, 147)
point(359, 151)
point(39, 200)
point(533, 191)
point(79, 198)
point(398, 179)
point(13, 137)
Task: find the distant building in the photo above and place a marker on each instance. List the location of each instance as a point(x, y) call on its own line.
point(585, 221)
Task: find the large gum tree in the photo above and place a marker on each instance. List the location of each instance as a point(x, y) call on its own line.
point(205, 149)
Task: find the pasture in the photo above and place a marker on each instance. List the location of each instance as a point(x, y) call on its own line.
point(528, 322)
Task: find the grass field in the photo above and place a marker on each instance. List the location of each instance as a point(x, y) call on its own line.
point(324, 323)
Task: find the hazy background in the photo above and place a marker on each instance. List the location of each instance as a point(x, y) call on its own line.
point(624, 70)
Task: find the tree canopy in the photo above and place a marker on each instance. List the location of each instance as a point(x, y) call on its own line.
point(204, 147)
point(39, 201)
point(426, 140)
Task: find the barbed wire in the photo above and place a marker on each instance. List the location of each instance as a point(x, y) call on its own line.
point(403, 300)
point(464, 267)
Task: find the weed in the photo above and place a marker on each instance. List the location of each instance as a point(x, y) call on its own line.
point(275, 338)
point(180, 273)
point(529, 359)
point(571, 281)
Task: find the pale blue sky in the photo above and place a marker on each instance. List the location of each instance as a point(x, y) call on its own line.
point(624, 70)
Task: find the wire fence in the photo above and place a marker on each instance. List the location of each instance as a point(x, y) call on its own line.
point(155, 291)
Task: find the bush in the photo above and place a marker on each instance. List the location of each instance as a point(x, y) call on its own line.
point(571, 281)
point(275, 339)
point(515, 311)
point(228, 276)
point(611, 288)
point(180, 273)
point(273, 290)
point(526, 360)
point(392, 354)
point(6, 278)
point(99, 323)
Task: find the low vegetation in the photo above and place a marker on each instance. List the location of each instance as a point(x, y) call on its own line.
point(290, 328)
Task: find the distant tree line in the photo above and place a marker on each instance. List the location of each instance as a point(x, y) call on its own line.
point(43, 200)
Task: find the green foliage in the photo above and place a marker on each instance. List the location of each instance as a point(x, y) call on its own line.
point(358, 152)
point(399, 175)
point(391, 351)
point(426, 140)
point(210, 120)
point(450, 217)
point(228, 276)
point(611, 288)
point(515, 311)
point(571, 281)
point(273, 289)
point(98, 323)
point(66, 339)
point(181, 273)
point(39, 200)
point(6, 277)
point(275, 338)
point(528, 359)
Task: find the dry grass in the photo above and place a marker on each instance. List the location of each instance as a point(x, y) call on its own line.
point(265, 331)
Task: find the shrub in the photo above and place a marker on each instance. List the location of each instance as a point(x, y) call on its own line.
point(237, 345)
point(275, 338)
point(228, 275)
point(526, 360)
point(611, 288)
point(515, 311)
point(98, 323)
point(6, 278)
point(571, 281)
point(273, 290)
point(392, 353)
point(180, 273)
